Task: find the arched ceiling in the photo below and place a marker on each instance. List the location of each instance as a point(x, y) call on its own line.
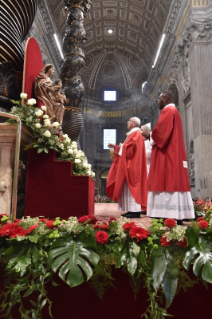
point(121, 59)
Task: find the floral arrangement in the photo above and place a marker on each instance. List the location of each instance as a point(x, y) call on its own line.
point(33, 249)
point(46, 135)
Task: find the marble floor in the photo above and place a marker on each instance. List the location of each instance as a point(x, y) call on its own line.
point(103, 211)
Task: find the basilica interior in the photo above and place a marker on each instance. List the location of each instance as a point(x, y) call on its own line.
point(134, 49)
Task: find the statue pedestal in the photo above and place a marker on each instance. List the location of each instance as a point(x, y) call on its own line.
point(52, 191)
point(7, 154)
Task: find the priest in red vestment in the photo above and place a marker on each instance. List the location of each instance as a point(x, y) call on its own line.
point(168, 184)
point(127, 178)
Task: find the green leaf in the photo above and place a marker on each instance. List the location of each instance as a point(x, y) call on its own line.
point(40, 150)
point(126, 255)
point(142, 258)
point(158, 266)
point(72, 260)
point(202, 251)
point(191, 236)
point(169, 286)
point(46, 150)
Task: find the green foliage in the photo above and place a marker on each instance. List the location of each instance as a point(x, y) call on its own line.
point(72, 260)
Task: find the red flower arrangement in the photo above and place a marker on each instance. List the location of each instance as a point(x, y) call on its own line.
point(203, 224)
point(139, 233)
point(164, 242)
point(183, 243)
point(101, 237)
point(105, 227)
point(169, 222)
point(200, 218)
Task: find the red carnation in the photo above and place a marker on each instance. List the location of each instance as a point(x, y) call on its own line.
point(101, 237)
point(7, 229)
point(97, 226)
point(50, 223)
point(169, 222)
point(128, 226)
point(31, 228)
point(104, 227)
point(164, 242)
point(203, 224)
point(17, 231)
point(200, 218)
point(183, 243)
point(139, 233)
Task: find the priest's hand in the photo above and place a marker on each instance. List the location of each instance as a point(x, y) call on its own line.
point(111, 145)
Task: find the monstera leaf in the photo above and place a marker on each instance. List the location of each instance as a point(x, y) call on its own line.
point(201, 255)
point(158, 266)
point(72, 260)
point(125, 254)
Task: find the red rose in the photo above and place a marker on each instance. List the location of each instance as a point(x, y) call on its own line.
point(31, 228)
point(169, 222)
point(105, 227)
point(183, 243)
point(50, 223)
point(128, 225)
point(139, 233)
point(203, 224)
point(87, 218)
point(200, 218)
point(164, 242)
point(101, 237)
point(112, 219)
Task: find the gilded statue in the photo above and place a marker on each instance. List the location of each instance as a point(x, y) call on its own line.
point(50, 94)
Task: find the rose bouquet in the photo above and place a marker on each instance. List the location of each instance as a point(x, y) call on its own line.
point(46, 135)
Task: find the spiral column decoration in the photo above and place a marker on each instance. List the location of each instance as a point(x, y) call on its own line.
point(16, 19)
point(74, 60)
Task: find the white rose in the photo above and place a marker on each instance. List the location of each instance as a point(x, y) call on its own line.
point(74, 145)
point(67, 140)
point(56, 124)
point(75, 151)
point(65, 135)
point(78, 155)
point(84, 165)
point(43, 108)
point(37, 125)
point(47, 122)
point(23, 96)
point(89, 172)
point(61, 146)
point(47, 133)
point(69, 151)
point(92, 174)
point(89, 165)
point(39, 113)
point(77, 161)
point(31, 101)
point(45, 116)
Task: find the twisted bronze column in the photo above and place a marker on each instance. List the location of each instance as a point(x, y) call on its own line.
point(16, 19)
point(72, 65)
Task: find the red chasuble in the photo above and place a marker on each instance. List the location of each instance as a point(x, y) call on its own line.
point(168, 169)
point(130, 166)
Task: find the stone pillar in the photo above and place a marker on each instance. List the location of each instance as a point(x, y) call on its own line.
point(201, 100)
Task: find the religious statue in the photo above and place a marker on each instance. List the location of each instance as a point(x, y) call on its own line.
point(50, 94)
point(185, 84)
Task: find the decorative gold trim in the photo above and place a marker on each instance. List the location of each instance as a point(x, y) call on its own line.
point(76, 6)
point(72, 108)
point(72, 53)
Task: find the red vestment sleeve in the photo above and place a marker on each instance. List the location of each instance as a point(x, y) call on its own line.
point(163, 129)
